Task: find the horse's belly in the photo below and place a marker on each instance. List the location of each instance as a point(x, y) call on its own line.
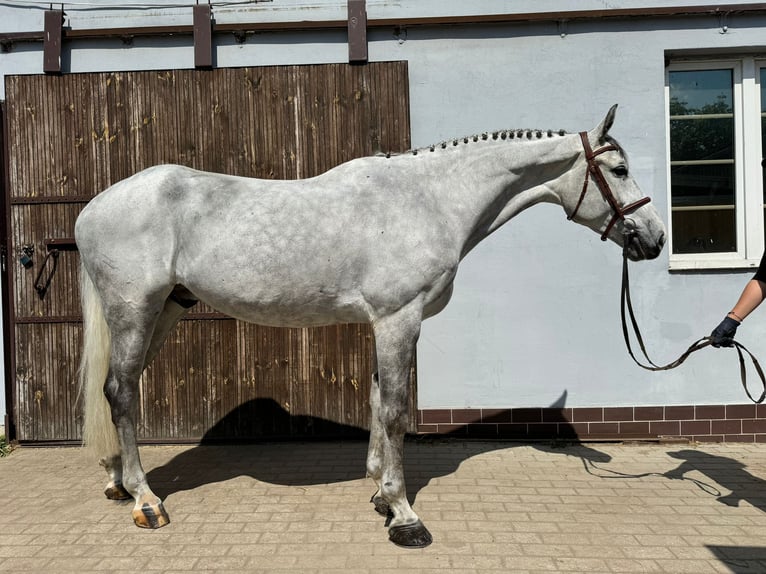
point(286, 311)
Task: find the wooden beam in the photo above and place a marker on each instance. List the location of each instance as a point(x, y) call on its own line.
point(203, 36)
point(357, 32)
point(54, 25)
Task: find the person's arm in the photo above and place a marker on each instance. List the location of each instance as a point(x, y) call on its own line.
point(752, 295)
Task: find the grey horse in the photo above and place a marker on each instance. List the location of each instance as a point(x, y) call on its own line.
point(375, 240)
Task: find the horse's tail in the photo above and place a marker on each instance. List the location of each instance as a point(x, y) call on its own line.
point(99, 433)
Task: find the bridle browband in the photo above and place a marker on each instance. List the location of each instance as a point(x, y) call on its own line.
point(595, 172)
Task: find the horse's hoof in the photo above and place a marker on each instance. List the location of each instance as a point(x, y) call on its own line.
point(381, 506)
point(414, 535)
point(151, 516)
point(117, 492)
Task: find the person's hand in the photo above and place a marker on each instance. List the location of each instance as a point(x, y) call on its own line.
point(723, 335)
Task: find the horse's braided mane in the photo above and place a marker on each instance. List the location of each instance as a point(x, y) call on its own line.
point(522, 135)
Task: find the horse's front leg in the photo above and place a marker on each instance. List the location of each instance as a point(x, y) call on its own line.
point(395, 339)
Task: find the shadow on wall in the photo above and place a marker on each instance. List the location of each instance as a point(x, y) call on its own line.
point(266, 419)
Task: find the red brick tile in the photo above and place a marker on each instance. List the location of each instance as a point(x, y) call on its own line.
point(587, 414)
point(695, 427)
point(428, 429)
point(482, 430)
point(461, 416)
point(542, 430)
point(740, 411)
point(603, 428)
point(649, 413)
point(760, 411)
point(739, 438)
point(726, 427)
point(618, 413)
point(703, 412)
point(557, 415)
point(754, 426)
point(635, 428)
point(567, 430)
point(667, 428)
point(512, 430)
point(455, 430)
point(760, 438)
point(496, 415)
point(708, 438)
point(580, 429)
point(685, 413)
point(435, 416)
point(527, 415)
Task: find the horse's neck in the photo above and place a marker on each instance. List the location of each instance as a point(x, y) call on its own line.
point(496, 181)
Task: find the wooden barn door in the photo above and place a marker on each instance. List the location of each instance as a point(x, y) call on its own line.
point(69, 137)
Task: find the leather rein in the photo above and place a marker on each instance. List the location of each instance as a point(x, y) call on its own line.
point(626, 305)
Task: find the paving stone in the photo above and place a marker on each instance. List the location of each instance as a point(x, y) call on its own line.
point(491, 506)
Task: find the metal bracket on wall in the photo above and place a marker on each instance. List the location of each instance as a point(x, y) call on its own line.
point(357, 32)
point(203, 36)
point(51, 261)
point(54, 32)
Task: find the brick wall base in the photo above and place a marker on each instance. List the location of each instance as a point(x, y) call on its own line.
point(701, 423)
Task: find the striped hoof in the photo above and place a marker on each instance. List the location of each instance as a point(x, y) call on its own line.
point(117, 492)
point(151, 516)
point(414, 535)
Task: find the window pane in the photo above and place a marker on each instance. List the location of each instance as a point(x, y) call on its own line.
point(698, 92)
point(704, 220)
point(701, 139)
point(702, 161)
point(702, 185)
point(709, 231)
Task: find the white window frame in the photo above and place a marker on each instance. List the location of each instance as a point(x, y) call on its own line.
point(748, 191)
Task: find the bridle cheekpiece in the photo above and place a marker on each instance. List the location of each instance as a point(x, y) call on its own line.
point(595, 172)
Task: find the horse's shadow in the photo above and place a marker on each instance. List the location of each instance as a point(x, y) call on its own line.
point(339, 457)
point(729, 473)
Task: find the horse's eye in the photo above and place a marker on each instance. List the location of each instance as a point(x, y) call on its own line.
point(620, 171)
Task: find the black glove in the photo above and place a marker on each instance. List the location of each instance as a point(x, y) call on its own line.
point(723, 335)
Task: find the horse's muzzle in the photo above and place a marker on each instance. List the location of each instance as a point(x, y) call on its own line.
point(638, 247)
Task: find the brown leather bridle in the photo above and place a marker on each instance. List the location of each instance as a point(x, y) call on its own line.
point(595, 172)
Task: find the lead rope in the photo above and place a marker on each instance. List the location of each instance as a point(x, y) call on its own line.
point(625, 303)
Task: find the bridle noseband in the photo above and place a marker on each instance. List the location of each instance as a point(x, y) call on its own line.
point(595, 172)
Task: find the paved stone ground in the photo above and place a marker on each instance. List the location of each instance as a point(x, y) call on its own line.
point(303, 507)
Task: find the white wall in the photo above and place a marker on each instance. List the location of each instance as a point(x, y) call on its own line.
point(535, 310)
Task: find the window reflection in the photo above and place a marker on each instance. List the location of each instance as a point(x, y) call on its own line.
point(702, 161)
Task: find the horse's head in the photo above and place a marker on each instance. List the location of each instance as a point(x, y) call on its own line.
point(600, 192)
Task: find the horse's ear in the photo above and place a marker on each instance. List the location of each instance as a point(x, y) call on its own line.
point(598, 135)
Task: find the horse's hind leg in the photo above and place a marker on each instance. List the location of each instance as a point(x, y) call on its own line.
point(375, 449)
point(174, 309)
point(395, 338)
point(130, 341)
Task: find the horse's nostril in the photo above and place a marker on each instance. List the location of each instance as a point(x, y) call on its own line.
point(661, 240)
